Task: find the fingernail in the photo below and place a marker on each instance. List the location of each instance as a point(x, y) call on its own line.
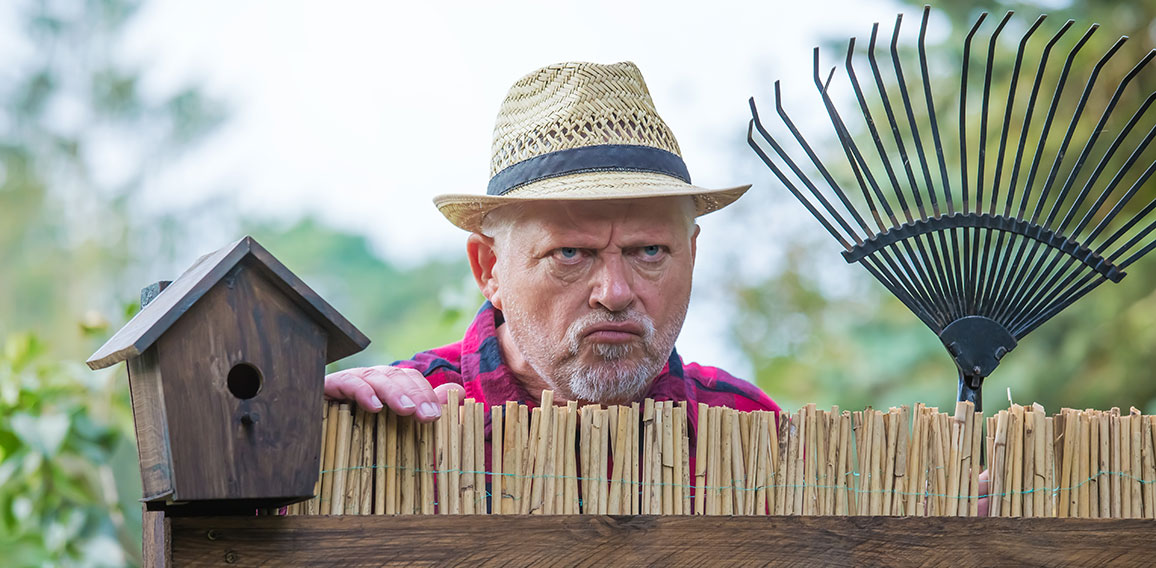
point(406, 402)
point(374, 403)
point(429, 410)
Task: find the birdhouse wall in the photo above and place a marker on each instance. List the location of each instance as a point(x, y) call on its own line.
point(224, 446)
point(144, 381)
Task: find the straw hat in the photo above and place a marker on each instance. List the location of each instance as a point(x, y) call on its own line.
point(581, 131)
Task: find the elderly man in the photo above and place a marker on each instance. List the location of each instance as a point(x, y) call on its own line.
point(583, 247)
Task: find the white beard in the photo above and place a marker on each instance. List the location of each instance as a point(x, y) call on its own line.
point(623, 372)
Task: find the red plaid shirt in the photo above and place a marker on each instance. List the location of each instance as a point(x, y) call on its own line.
point(476, 363)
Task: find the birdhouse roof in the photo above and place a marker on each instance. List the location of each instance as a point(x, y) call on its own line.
point(180, 296)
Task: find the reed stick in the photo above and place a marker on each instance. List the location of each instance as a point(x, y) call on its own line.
point(541, 495)
point(571, 465)
point(668, 458)
point(678, 457)
point(702, 436)
point(738, 465)
point(603, 465)
point(1091, 425)
point(916, 465)
point(510, 462)
point(830, 467)
point(329, 456)
point(1015, 461)
point(1149, 466)
point(497, 459)
point(1051, 507)
point(1126, 471)
point(1028, 486)
point(1117, 488)
point(1138, 470)
point(522, 459)
point(842, 457)
point(560, 451)
point(891, 439)
point(365, 491)
point(620, 462)
point(635, 464)
point(1102, 466)
point(466, 487)
point(782, 475)
point(714, 465)
point(341, 460)
point(407, 464)
point(800, 456)
point(726, 468)
point(810, 460)
point(751, 467)
point(763, 466)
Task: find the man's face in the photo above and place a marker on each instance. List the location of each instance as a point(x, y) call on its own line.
point(595, 293)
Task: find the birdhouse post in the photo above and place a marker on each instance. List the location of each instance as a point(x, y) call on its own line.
point(226, 368)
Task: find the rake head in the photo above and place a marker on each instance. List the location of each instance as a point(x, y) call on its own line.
point(986, 255)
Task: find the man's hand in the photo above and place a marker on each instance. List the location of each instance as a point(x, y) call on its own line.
point(406, 391)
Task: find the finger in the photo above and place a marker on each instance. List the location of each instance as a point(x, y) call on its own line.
point(349, 385)
point(443, 392)
point(406, 391)
point(983, 488)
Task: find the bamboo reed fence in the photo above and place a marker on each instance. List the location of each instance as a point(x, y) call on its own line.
point(646, 459)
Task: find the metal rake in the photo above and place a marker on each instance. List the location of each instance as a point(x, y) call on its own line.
point(987, 255)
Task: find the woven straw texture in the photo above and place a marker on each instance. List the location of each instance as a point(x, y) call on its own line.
point(573, 105)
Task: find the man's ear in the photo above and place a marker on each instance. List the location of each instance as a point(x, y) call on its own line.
point(483, 258)
point(694, 243)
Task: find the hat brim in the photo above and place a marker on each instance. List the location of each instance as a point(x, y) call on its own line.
point(467, 211)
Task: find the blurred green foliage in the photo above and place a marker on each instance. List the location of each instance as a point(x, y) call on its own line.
point(66, 462)
point(817, 330)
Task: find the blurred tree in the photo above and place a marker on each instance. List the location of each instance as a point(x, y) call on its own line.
point(78, 139)
point(64, 435)
point(402, 310)
point(816, 332)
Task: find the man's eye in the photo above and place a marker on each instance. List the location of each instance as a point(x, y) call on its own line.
point(567, 253)
point(652, 250)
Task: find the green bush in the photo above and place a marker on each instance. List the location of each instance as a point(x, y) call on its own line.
point(67, 456)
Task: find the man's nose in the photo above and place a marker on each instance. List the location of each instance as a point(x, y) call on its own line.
point(613, 285)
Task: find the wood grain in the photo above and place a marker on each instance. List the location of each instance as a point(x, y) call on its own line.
point(650, 540)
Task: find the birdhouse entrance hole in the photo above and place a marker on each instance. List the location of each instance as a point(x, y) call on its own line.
point(244, 381)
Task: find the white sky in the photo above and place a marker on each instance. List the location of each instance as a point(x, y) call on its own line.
point(361, 112)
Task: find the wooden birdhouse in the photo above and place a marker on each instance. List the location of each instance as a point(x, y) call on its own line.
point(226, 368)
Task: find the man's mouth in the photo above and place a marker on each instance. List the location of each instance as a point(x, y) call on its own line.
point(614, 332)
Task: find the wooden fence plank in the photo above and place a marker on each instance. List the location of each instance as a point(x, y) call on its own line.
point(667, 540)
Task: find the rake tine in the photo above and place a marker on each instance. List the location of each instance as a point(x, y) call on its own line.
point(1046, 290)
point(756, 123)
point(1100, 127)
point(1068, 298)
point(870, 121)
point(955, 275)
point(984, 104)
point(1103, 224)
point(1072, 130)
point(896, 135)
point(929, 101)
point(963, 111)
point(818, 164)
point(947, 283)
point(1051, 116)
point(791, 187)
point(969, 259)
point(1123, 170)
point(912, 124)
point(1007, 119)
point(983, 265)
point(852, 153)
point(1044, 57)
point(1135, 219)
point(920, 277)
point(1064, 276)
point(1016, 285)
